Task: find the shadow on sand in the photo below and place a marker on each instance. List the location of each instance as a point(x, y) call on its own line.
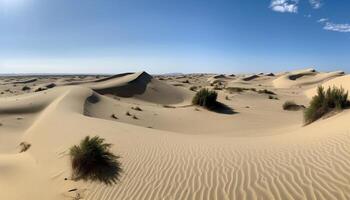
point(223, 109)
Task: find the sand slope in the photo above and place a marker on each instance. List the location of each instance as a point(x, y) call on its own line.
point(299, 162)
point(142, 86)
point(305, 77)
point(343, 82)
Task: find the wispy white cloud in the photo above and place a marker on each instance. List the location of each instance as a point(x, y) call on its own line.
point(322, 20)
point(330, 26)
point(344, 28)
point(290, 6)
point(316, 4)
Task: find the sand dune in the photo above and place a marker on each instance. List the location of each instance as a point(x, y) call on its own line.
point(26, 81)
point(303, 78)
point(258, 152)
point(343, 81)
point(251, 77)
point(142, 86)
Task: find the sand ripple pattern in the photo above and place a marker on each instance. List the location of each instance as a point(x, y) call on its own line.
point(170, 169)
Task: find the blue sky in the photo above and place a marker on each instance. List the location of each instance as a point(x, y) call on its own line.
point(159, 36)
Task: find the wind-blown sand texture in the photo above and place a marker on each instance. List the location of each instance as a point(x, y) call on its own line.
point(253, 149)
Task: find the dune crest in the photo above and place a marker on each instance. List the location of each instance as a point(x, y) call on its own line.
point(301, 78)
point(343, 81)
point(141, 86)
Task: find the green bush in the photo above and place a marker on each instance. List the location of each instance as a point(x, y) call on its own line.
point(325, 102)
point(92, 160)
point(205, 98)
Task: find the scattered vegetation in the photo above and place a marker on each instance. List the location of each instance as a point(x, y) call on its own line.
point(291, 105)
point(114, 116)
point(24, 146)
point(168, 106)
point(273, 97)
point(239, 89)
point(333, 99)
point(128, 113)
point(25, 88)
point(51, 85)
point(92, 160)
point(206, 98)
point(39, 89)
point(136, 108)
point(193, 88)
point(265, 91)
point(218, 87)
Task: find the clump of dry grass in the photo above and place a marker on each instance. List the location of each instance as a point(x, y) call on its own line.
point(136, 108)
point(333, 99)
point(24, 146)
point(93, 160)
point(206, 98)
point(291, 105)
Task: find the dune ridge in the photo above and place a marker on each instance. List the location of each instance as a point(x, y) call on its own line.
point(301, 78)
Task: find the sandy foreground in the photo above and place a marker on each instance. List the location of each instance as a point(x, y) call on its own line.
point(252, 149)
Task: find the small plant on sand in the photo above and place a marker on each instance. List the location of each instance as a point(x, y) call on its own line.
point(92, 160)
point(291, 105)
point(235, 89)
point(24, 146)
point(136, 108)
point(25, 88)
point(206, 98)
point(114, 116)
point(272, 97)
point(193, 88)
point(334, 99)
point(265, 91)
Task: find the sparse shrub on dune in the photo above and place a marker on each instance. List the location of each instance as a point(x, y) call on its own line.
point(334, 99)
point(25, 88)
point(92, 160)
point(206, 98)
point(235, 89)
point(136, 108)
point(265, 91)
point(272, 97)
point(24, 146)
point(291, 105)
point(193, 88)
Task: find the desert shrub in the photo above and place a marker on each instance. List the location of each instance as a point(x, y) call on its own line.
point(334, 99)
point(51, 85)
point(291, 105)
point(25, 88)
point(24, 146)
point(206, 98)
point(136, 108)
point(92, 160)
point(235, 89)
point(265, 91)
point(40, 89)
point(193, 88)
point(239, 89)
